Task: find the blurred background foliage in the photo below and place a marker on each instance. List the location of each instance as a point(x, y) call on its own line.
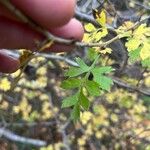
point(119, 119)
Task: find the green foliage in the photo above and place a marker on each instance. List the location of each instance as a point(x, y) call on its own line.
point(70, 101)
point(93, 86)
point(104, 82)
point(75, 114)
point(91, 54)
point(83, 101)
point(134, 55)
point(71, 83)
point(146, 63)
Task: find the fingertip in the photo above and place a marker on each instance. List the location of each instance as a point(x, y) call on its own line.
point(48, 13)
point(72, 30)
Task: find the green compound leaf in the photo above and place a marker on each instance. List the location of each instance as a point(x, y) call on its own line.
point(91, 54)
point(101, 70)
point(82, 64)
point(75, 114)
point(93, 88)
point(74, 71)
point(71, 83)
point(104, 82)
point(70, 101)
point(84, 102)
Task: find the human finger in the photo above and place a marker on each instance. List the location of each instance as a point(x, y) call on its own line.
point(48, 13)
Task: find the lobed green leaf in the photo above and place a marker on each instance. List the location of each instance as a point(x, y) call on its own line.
point(101, 70)
point(84, 102)
point(75, 71)
point(91, 55)
point(93, 88)
point(75, 114)
point(70, 101)
point(104, 82)
point(71, 83)
point(82, 64)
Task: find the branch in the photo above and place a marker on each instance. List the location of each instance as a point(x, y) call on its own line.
point(28, 124)
point(46, 55)
point(124, 85)
point(86, 18)
point(14, 137)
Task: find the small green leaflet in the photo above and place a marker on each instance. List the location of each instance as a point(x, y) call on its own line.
point(91, 54)
point(102, 70)
point(146, 63)
point(75, 71)
point(75, 114)
point(71, 83)
point(70, 101)
point(84, 102)
point(103, 81)
point(93, 88)
point(134, 55)
point(82, 64)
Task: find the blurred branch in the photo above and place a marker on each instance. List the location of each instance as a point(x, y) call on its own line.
point(86, 18)
point(127, 86)
point(141, 5)
point(46, 55)
point(28, 124)
point(65, 139)
point(14, 137)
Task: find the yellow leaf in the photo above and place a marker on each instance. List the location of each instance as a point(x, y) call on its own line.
point(128, 25)
point(142, 31)
point(24, 56)
point(100, 16)
point(133, 44)
point(121, 31)
point(145, 51)
point(147, 81)
point(86, 37)
point(5, 84)
point(89, 27)
point(101, 33)
point(106, 50)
